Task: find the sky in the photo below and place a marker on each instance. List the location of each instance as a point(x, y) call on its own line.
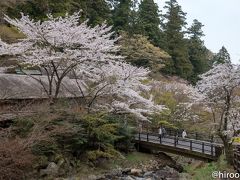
point(221, 19)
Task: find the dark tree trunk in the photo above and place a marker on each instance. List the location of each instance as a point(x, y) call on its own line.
point(228, 149)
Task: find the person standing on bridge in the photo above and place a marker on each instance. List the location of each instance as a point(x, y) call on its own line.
point(160, 132)
point(163, 132)
point(184, 134)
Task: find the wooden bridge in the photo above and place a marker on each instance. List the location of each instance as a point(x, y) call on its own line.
point(236, 160)
point(183, 146)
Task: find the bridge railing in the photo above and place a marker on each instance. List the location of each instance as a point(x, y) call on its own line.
point(204, 147)
point(193, 135)
point(236, 161)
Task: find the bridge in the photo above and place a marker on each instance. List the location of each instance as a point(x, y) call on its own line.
point(199, 149)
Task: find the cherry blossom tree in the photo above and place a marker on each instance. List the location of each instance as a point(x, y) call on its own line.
point(117, 87)
point(61, 47)
point(179, 99)
point(56, 46)
point(219, 90)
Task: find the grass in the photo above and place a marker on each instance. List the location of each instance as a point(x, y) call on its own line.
point(205, 172)
point(131, 160)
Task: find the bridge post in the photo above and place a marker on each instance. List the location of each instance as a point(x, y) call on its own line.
point(211, 150)
point(203, 147)
point(191, 145)
point(139, 136)
point(175, 141)
point(196, 135)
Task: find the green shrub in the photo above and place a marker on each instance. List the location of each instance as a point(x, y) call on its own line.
point(45, 148)
point(23, 126)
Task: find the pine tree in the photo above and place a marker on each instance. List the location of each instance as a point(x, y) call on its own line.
point(198, 53)
point(149, 21)
point(96, 11)
point(222, 57)
point(39, 8)
point(121, 15)
point(175, 43)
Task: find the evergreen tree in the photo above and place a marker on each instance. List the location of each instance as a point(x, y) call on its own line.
point(38, 9)
point(222, 57)
point(121, 15)
point(175, 43)
point(96, 11)
point(198, 53)
point(149, 21)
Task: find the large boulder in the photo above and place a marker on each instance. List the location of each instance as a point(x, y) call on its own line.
point(167, 173)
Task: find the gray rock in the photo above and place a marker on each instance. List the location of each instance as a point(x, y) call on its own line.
point(126, 171)
point(149, 178)
point(171, 170)
point(185, 176)
point(92, 177)
point(114, 173)
point(101, 177)
point(148, 174)
point(136, 172)
point(51, 170)
point(167, 173)
point(138, 178)
point(128, 178)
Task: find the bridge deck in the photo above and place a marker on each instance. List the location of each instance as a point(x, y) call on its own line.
point(194, 147)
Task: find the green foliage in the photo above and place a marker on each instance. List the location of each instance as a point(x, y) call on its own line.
point(107, 152)
point(99, 129)
point(97, 11)
point(166, 124)
point(96, 154)
point(133, 159)
point(174, 41)
point(38, 9)
point(45, 148)
point(149, 21)
point(205, 171)
point(140, 52)
point(126, 134)
point(166, 98)
point(23, 126)
point(162, 119)
point(198, 53)
point(222, 57)
point(72, 142)
point(185, 57)
point(121, 15)
point(69, 133)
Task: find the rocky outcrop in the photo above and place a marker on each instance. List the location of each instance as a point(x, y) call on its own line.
point(161, 168)
point(139, 174)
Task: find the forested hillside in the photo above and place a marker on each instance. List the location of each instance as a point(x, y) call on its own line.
point(188, 56)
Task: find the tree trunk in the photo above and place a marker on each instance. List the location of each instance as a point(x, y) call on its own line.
point(51, 104)
point(228, 149)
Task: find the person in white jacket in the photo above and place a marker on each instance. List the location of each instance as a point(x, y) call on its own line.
point(184, 134)
point(160, 132)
